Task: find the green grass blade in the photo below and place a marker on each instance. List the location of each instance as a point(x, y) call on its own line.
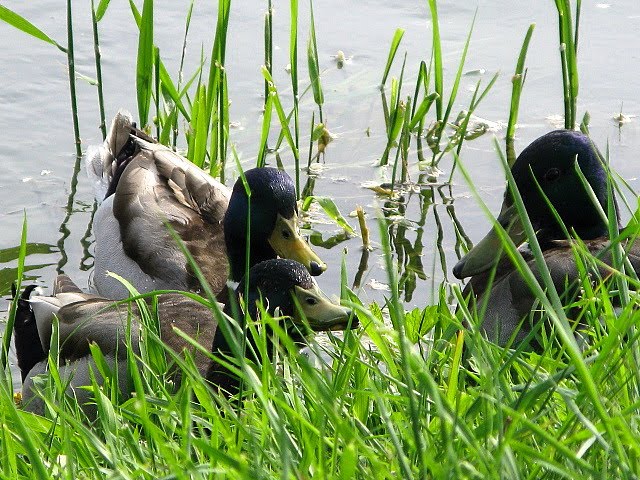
point(187, 24)
point(98, 57)
point(264, 136)
point(26, 26)
point(393, 49)
point(102, 9)
point(332, 211)
point(313, 65)
point(284, 123)
point(72, 81)
point(170, 89)
point(422, 109)
point(397, 316)
point(199, 129)
point(144, 67)
point(456, 82)
point(437, 57)
point(568, 59)
point(33, 450)
point(268, 46)
point(8, 329)
point(516, 90)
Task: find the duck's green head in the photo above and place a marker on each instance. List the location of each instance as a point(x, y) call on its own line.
point(274, 229)
point(285, 287)
point(548, 168)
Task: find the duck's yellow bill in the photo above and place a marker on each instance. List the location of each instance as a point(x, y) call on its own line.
point(322, 314)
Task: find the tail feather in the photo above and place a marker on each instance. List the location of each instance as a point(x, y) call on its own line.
point(27, 341)
point(64, 284)
point(101, 161)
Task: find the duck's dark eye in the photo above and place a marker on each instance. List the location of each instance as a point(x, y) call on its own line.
point(311, 301)
point(551, 175)
point(286, 234)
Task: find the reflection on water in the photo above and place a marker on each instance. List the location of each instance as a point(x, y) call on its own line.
point(86, 262)
point(10, 256)
point(64, 229)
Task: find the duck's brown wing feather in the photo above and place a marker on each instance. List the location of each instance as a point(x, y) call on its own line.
point(510, 299)
point(157, 188)
point(105, 323)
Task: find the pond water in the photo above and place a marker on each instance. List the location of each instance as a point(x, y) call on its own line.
point(37, 150)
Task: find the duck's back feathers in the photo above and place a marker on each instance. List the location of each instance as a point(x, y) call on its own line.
point(511, 300)
point(160, 187)
point(85, 320)
point(154, 187)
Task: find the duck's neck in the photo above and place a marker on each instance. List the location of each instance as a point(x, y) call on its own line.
point(222, 377)
point(237, 254)
point(587, 226)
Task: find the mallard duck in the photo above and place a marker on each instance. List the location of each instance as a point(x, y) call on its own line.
point(142, 186)
point(551, 161)
point(86, 318)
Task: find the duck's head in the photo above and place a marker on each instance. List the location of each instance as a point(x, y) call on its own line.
point(286, 288)
point(547, 168)
point(274, 227)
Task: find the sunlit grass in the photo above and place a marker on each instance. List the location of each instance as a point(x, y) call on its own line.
point(411, 394)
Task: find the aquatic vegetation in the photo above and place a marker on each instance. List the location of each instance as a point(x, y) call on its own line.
point(417, 391)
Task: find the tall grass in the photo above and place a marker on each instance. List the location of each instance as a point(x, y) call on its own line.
point(568, 33)
point(518, 82)
point(503, 414)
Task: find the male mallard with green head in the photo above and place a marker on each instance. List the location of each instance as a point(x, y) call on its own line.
point(546, 168)
point(144, 186)
point(284, 287)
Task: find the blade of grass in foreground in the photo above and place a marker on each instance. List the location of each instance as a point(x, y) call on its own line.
point(396, 313)
point(8, 329)
point(27, 440)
